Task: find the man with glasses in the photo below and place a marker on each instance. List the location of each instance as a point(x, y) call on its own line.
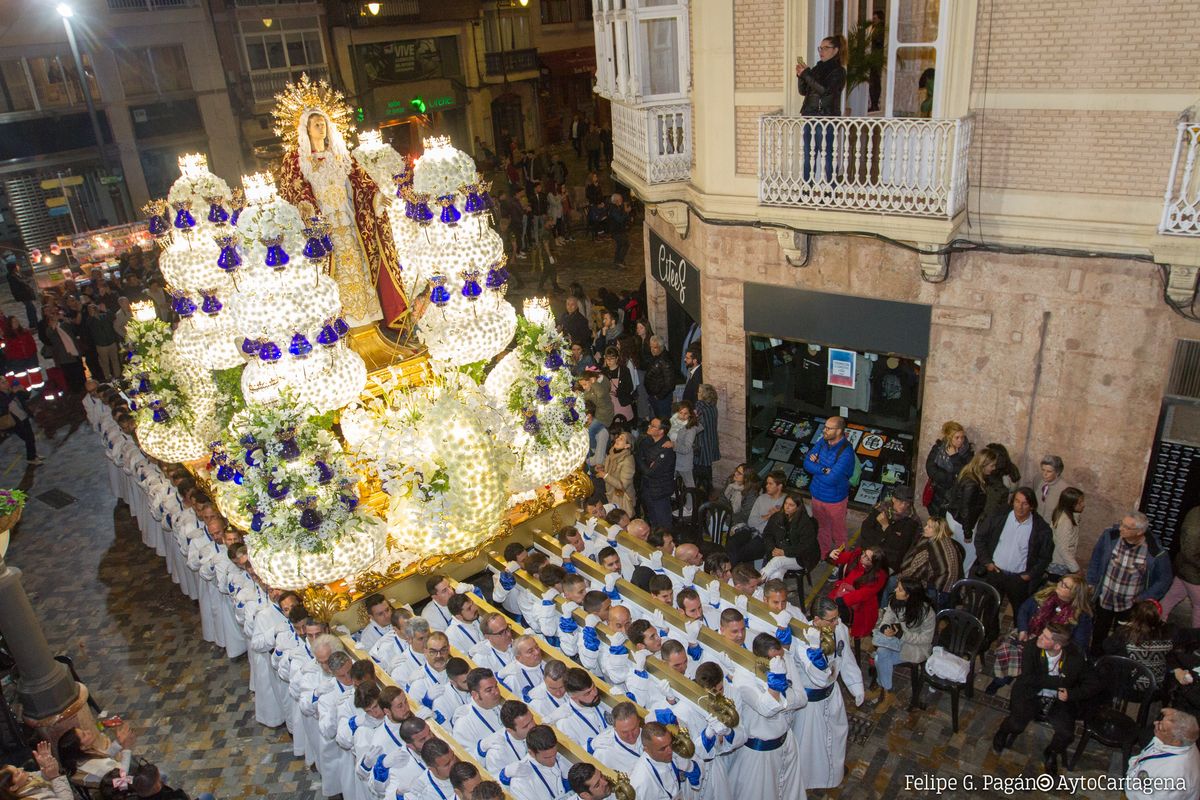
point(1128, 564)
point(830, 463)
point(429, 684)
point(1171, 755)
point(495, 652)
point(656, 463)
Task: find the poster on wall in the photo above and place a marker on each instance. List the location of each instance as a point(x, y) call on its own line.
point(840, 370)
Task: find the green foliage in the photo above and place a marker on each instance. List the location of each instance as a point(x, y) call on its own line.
point(228, 383)
point(476, 370)
point(861, 58)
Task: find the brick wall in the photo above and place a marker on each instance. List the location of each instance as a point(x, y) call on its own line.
point(1110, 44)
point(1088, 152)
point(1104, 363)
point(758, 44)
point(746, 136)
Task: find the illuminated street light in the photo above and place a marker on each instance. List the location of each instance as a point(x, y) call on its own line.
point(64, 10)
point(373, 8)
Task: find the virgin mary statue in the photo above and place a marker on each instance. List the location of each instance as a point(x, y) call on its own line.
point(317, 171)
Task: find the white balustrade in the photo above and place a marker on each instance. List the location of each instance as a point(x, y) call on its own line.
point(1181, 204)
point(895, 166)
point(654, 143)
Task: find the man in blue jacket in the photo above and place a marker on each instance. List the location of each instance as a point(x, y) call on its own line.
point(830, 463)
point(656, 465)
point(1128, 564)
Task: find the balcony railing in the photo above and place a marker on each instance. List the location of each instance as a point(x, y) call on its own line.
point(389, 12)
point(655, 143)
point(265, 85)
point(510, 62)
point(896, 166)
point(1181, 204)
point(148, 5)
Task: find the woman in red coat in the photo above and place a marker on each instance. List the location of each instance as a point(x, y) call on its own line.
point(858, 590)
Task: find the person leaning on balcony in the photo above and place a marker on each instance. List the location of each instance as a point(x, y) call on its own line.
point(822, 87)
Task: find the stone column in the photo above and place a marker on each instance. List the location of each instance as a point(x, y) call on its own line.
point(46, 688)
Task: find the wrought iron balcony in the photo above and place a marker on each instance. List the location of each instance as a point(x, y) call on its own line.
point(653, 143)
point(907, 166)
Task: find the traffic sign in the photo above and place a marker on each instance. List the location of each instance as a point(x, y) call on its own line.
point(69, 180)
point(54, 202)
point(59, 211)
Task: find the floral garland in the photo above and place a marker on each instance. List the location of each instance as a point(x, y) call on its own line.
point(543, 397)
point(199, 192)
point(294, 483)
point(155, 390)
point(271, 220)
point(382, 164)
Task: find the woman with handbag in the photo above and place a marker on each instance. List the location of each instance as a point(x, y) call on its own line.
point(15, 417)
point(946, 459)
point(903, 635)
point(620, 385)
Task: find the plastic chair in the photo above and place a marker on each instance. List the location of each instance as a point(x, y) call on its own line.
point(960, 633)
point(715, 520)
point(982, 601)
point(1126, 681)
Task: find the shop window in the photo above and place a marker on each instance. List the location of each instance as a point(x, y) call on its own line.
point(15, 92)
point(795, 386)
point(556, 11)
point(153, 70)
point(642, 50)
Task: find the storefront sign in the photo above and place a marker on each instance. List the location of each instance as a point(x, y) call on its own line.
point(676, 274)
point(841, 368)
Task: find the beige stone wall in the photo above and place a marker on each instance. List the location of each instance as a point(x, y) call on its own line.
point(1112, 44)
point(1089, 152)
point(746, 136)
point(1108, 342)
point(758, 44)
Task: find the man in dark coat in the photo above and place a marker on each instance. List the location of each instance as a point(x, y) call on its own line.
point(1054, 672)
point(892, 526)
point(1014, 547)
point(656, 468)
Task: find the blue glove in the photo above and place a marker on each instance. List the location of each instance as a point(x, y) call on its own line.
point(817, 656)
point(784, 635)
point(380, 771)
point(590, 639)
point(665, 716)
point(507, 581)
point(567, 625)
point(695, 652)
point(618, 650)
point(614, 595)
point(570, 568)
point(778, 681)
point(692, 775)
point(353, 723)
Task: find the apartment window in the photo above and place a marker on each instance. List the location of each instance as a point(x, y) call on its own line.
point(56, 83)
point(555, 11)
point(642, 50)
point(288, 44)
point(506, 31)
point(15, 93)
point(153, 70)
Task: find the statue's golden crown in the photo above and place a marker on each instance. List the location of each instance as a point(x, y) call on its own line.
point(305, 95)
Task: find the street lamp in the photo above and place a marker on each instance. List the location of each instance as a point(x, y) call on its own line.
point(66, 12)
point(374, 9)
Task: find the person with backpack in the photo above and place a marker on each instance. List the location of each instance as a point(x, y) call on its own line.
point(831, 463)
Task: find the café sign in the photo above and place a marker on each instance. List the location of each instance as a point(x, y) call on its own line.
point(679, 277)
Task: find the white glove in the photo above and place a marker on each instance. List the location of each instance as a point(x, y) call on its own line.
point(463, 588)
point(550, 594)
point(664, 686)
point(714, 591)
point(782, 618)
point(741, 601)
point(657, 620)
point(689, 574)
point(555, 560)
point(568, 551)
point(617, 639)
point(639, 658)
point(715, 728)
point(435, 690)
point(859, 697)
point(777, 664)
point(655, 560)
point(568, 608)
point(342, 629)
point(692, 629)
point(512, 567)
point(518, 769)
point(591, 621)
point(610, 580)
